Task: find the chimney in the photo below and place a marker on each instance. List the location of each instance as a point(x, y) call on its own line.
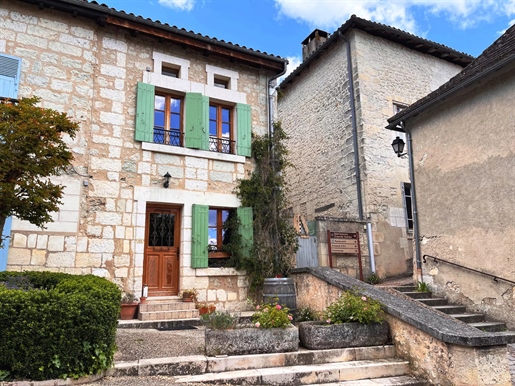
point(312, 42)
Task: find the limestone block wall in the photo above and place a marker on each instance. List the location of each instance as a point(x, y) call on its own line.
point(315, 112)
point(91, 72)
point(464, 157)
point(389, 74)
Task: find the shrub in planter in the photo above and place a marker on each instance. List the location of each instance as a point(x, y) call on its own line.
point(129, 304)
point(353, 320)
point(56, 325)
point(270, 332)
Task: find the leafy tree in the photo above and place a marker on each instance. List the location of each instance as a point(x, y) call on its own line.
point(31, 150)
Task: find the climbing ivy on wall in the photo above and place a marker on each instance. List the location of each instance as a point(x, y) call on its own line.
point(275, 240)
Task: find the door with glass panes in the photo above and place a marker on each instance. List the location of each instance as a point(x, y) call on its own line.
point(162, 240)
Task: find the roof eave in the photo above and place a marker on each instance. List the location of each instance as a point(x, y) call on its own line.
point(106, 15)
point(404, 115)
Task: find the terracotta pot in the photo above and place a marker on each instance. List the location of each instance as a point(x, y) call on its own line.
point(206, 310)
point(187, 298)
point(128, 311)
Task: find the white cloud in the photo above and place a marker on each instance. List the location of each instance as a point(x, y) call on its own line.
point(293, 63)
point(330, 14)
point(183, 5)
point(510, 23)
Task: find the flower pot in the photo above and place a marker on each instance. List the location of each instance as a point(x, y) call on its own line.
point(188, 298)
point(251, 340)
point(206, 310)
point(128, 311)
point(318, 336)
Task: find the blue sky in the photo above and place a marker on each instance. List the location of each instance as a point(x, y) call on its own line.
point(279, 26)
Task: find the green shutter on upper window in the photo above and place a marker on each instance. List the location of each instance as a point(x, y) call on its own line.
point(244, 135)
point(145, 113)
point(196, 127)
point(246, 229)
point(199, 236)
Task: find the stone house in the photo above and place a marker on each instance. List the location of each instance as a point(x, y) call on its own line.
point(166, 118)
point(463, 154)
point(346, 177)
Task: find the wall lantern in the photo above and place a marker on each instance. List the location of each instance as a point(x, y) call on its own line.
point(398, 147)
point(167, 177)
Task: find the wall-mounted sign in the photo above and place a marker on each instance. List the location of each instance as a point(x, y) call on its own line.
point(344, 243)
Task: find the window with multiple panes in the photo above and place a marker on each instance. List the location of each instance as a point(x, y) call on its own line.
point(216, 232)
point(201, 124)
point(209, 236)
point(408, 209)
point(168, 119)
point(220, 129)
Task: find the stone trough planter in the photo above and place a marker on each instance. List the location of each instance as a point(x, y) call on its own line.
point(251, 340)
point(317, 335)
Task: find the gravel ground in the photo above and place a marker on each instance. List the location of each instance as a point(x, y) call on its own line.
point(134, 344)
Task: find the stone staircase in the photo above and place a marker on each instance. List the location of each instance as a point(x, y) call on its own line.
point(166, 308)
point(456, 311)
point(366, 366)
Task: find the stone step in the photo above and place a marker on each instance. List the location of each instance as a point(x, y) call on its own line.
point(469, 318)
point(304, 375)
point(167, 315)
point(403, 380)
point(489, 326)
point(450, 309)
point(200, 364)
point(434, 301)
point(405, 288)
point(166, 306)
point(418, 295)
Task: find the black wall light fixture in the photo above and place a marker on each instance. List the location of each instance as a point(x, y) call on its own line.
point(167, 177)
point(398, 147)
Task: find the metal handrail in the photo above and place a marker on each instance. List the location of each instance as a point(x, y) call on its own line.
point(495, 278)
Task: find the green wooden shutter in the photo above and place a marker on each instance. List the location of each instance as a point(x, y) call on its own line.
point(246, 229)
point(199, 236)
point(196, 130)
point(244, 134)
point(145, 113)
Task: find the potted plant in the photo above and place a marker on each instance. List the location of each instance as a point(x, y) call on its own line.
point(205, 308)
point(129, 305)
point(270, 332)
point(353, 320)
point(189, 295)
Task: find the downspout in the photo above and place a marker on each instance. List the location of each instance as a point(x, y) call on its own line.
point(418, 260)
point(359, 194)
point(354, 127)
point(270, 100)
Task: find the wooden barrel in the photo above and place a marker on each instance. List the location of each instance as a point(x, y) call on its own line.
point(282, 289)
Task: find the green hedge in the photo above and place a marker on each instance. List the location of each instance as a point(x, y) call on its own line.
point(56, 325)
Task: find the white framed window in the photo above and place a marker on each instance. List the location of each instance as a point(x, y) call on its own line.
point(222, 78)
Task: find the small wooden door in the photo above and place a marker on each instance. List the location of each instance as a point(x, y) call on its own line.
point(162, 240)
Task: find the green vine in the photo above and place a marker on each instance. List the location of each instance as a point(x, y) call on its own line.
point(275, 240)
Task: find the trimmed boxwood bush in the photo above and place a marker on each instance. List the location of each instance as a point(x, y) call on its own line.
point(56, 325)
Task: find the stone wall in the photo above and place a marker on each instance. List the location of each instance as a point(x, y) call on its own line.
point(315, 112)
point(433, 359)
point(464, 157)
point(91, 72)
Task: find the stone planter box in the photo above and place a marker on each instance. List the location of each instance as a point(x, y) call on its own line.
point(317, 335)
point(251, 340)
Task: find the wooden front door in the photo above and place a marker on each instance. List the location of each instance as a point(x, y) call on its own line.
point(162, 240)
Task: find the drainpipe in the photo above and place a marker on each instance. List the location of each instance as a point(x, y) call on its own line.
point(270, 100)
point(371, 247)
point(354, 126)
point(418, 260)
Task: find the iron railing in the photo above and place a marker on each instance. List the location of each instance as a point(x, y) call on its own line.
point(495, 278)
point(221, 145)
point(167, 137)
point(176, 138)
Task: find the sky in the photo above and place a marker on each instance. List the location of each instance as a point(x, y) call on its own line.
point(279, 26)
